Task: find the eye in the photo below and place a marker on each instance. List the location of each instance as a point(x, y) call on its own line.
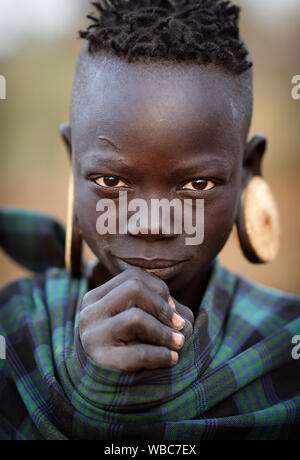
point(199, 184)
point(110, 181)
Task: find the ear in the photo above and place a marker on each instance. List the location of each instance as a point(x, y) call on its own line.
point(253, 156)
point(66, 134)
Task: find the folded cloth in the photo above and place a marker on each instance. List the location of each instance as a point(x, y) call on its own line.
point(235, 379)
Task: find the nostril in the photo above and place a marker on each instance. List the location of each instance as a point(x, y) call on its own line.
point(153, 232)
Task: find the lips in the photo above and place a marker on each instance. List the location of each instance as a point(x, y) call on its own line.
point(163, 268)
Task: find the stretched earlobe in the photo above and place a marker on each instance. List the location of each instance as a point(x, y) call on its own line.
point(66, 134)
point(253, 156)
point(257, 221)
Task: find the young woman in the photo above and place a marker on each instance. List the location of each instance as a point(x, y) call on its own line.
point(156, 340)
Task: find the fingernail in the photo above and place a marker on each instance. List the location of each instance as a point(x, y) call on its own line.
point(171, 302)
point(174, 356)
point(178, 339)
point(178, 321)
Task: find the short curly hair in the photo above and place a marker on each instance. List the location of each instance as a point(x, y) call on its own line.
point(202, 31)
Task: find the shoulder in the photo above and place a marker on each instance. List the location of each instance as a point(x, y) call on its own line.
point(259, 304)
point(21, 287)
point(39, 297)
point(51, 280)
point(20, 300)
point(19, 292)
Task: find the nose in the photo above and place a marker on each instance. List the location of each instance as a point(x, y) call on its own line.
point(150, 236)
point(154, 219)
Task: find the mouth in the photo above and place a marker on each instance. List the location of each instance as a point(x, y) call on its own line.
point(163, 268)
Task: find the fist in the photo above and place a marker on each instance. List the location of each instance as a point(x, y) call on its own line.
point(132, 323)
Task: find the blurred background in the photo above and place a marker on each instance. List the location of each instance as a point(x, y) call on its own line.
point(38, 52)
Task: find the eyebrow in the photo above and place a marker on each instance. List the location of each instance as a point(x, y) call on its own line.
point(209, 163)
point(204, 164)
point(118, 164)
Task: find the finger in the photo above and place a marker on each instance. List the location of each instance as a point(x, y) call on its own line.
point(188, 315)
point(130, 294)
point(185, 312)
point(171, 303)
point(132, 326)
point(134, 273)
point(135, 324)
point(137, 357)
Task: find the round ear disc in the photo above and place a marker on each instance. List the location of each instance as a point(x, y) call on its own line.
point(258, 222)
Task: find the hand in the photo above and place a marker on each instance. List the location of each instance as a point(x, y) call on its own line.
point(131, 323)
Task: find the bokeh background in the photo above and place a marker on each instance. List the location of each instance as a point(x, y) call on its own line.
point(38, 52)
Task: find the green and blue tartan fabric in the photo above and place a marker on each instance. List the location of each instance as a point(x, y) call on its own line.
point(236, 378)
point(34, 240)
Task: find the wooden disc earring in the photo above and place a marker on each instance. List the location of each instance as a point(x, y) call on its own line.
point(73, 247)
point(257, 223)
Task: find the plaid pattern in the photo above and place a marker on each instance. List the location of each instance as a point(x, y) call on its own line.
point(235, 379)
point(34, 240)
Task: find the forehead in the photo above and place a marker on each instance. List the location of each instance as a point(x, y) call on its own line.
point(156, 104)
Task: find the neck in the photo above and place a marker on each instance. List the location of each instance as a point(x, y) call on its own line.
point(192, 294)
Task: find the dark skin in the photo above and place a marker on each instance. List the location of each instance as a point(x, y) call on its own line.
point(158, 131)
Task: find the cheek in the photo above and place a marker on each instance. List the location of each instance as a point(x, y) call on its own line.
point(219, 219)
point(86, 210)
point(85, 205)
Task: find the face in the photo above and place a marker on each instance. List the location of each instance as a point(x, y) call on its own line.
point(158, 131)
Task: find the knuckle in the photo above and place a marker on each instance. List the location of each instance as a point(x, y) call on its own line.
point(83, 319)
point(134, 285)
point(164, 313)
point(84, 337)
point(135, 316)
point(189, 315)
point(163, 290)
point(166, 336)
point(187, 330)
point(133, 272)
point(158, 285)
point(85, 300)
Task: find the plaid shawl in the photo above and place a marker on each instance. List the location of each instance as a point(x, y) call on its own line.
point(236, 378)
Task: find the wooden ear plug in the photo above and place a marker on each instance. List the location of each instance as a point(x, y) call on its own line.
point(258, 222)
